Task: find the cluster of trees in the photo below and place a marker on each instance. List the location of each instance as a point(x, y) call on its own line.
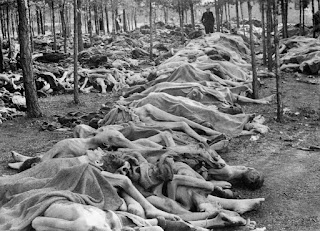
point(93, 17)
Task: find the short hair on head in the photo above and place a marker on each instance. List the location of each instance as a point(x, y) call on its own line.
point(29, 163)
point(111, 162)
point(253, 179)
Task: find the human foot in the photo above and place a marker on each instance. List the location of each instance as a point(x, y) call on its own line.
point(226, 218)
point(16, 165)
point(154, 213)
point(18, 157)
point(246, 205)
point(221, 183)
point(220, 145)
point(266, 100)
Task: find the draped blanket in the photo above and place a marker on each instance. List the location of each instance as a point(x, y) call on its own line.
point(231, 125)
point(26, 195)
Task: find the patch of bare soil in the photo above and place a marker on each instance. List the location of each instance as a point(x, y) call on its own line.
point(25, 135)
point(292, 175)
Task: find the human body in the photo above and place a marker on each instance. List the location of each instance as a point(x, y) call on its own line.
point(207, 20)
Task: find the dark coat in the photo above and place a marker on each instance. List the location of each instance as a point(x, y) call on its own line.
point(207, 19)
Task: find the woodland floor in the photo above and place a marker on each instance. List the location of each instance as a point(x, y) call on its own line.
point(292, 176)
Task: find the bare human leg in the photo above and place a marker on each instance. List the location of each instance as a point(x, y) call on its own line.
point(125, 183)
point(238, 205)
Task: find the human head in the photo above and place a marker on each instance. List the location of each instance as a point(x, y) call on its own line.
point(253, 179)
point(208, 9)
point(29, 163)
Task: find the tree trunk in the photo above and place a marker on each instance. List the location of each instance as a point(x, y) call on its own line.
point(41, 21)
point(79, 27)
point(12, 22)
point(216, 4)
point(38, 21)
point(1, 57)
point(53, 26)
point(102, 20)
point(182, 21)
point(165, 13)
point(221, 15)
point(33, 108)
point(286, 6)
point(8, 31)
point(75, 54)
point(44, 17)
point(85, 18)
point(96, 18)
point(269, 30)
point(63, 24)
point(242, 19)
point(90, 25)
point(303, 20)
point(300, 16)
point(226, 14)
point(179, 13)
point(31, 28)
point(151, 30)
point(3, 26)
point(17, 22)
point(284, 35)
point(113, 18)
point(125, 26)
point(192, 15)
point(277, 60)
point(313, 23)
point(229, 16)
point(237, 13)
point(107, 19)
point(264, 48)
point(253, 55)
point(68, 21)
point(135, 18)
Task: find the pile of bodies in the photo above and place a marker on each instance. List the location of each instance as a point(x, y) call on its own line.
point(153, 161)
point(111, 64)
point(300, 54)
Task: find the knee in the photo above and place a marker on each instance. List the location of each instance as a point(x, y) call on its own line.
point(165, 134)
point(125, 182)
point(148, 107)
point(183, 125)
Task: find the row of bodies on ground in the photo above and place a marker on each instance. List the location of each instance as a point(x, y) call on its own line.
point(167, 133)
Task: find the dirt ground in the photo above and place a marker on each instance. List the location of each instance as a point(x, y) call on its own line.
point(292, 175)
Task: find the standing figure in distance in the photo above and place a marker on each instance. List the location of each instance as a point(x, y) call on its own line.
point(208, 21)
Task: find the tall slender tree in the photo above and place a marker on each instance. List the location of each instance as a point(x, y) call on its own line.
point(151, 29)
point(8, 28)
point(269, 30)
point(237, 13)
point(53, 26)
point(277, 60)
point(90, 23)
point(1, 56)
point(284, 14)
point(107, 17)
point(253, 56)
point(263, 37)
point(313, 22)
point(33, 108)
point(79, 27)
point(62, 4)
point(75, 54)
